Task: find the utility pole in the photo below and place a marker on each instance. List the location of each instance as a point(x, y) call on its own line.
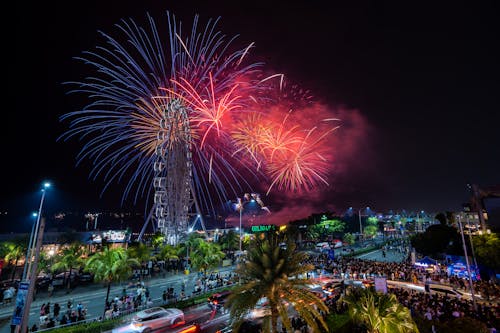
point(478, 205)
point(471, 285)
point(32, 278)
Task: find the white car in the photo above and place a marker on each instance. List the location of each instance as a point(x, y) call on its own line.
point(449, 291)
point(323, 246)
point(155, 318)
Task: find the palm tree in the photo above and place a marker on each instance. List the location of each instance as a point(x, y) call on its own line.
point(229, 241)
point(168, 252)
point(158, 239)
point(14, 251)
point(378, 312)
point(139, 251)
point(44, 263)
point(109, 266)
point(276, 273)
point(192, 241)
point(206, 256)
point(69, 258)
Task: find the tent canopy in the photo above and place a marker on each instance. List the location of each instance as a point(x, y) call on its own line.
point(427, 261)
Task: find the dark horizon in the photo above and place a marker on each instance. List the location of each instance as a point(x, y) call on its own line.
point(416, 86)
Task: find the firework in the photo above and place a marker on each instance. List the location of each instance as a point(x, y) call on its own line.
point(186, 114)
point(289, 138)
point(133, 85)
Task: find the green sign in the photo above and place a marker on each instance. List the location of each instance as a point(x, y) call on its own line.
point(263, 228)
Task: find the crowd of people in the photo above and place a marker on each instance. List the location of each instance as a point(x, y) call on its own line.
point(434, 308)
point(439, 308)
point(51, 316)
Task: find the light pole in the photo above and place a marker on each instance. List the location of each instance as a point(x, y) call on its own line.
point(471, 243)
point(471, 285)
point(33, 237)
point(419, 226)
point(21, 317)
point(239, 206)
point(361, 225)
point(28, 251)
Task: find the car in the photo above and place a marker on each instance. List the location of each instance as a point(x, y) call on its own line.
point(85, 277)
point(337, 244)
point(323, 246)
point(43, 282)
point(260, 310)
point(447, 290)
point(156, 318)
point(217, 300)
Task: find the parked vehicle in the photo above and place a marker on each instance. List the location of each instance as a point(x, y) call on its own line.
point(60, 279)
point(42, 282)
point(323, 246)
point(85, 277)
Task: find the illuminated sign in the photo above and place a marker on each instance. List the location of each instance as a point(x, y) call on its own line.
point(263, 228)
point(111, 236)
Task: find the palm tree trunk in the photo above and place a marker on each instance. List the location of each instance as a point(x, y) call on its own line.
point(68, 285)
point(106, 301)
point(14, 270)
point(274, 319)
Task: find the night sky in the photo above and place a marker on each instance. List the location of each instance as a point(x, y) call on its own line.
point(417, 87)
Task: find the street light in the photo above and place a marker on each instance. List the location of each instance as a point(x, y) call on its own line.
point(360, 225)
point(239, 207)
point(21, 318)
point(28, 251)
point(32, 242)
point(419, 226)
point(471, 285)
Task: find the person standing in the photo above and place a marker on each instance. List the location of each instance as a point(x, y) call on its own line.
point(57, 309)
point(50, 289)
point(164, 297)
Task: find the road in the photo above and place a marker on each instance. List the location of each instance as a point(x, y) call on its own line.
point(210, 321)
point(93, 296)
point(377, 255)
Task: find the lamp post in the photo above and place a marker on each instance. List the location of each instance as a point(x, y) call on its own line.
point(28, 251)
point(361, 225)
point(21, 316)
point(33, 237)
point(419, 226)
point(239, 206)
point(471, 285)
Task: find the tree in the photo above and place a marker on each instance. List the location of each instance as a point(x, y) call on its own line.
point(438, 239)
point(487, 248)
point(168, 252)
point(14, 251)
point(441, 218)
point(276, 273)
point(110, 265)
point(229, 241)
point(158, 239)
point(69, 258)
point(192, 241)
point(378, 312)
point(349, 238)
point(206, 256)
point(325, 228)
point(140, 252)
point(44, 262)
point(370, 230)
